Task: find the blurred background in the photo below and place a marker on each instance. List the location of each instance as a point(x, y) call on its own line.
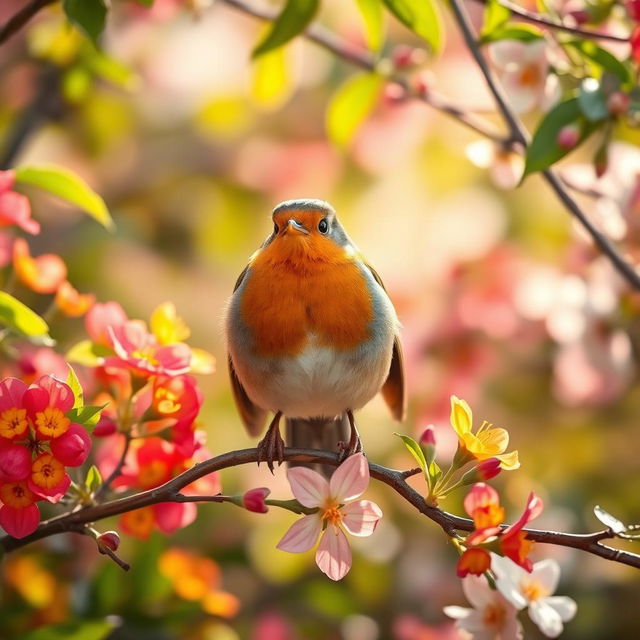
point(503, 302)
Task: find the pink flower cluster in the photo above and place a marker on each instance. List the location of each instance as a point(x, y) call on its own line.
point(37, 442)
point(149, 463)
point(154, 366)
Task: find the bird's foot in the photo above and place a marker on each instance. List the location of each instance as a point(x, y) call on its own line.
point(346, 449)
point(271, 447)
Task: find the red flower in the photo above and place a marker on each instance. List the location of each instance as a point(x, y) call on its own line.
point(14, 207)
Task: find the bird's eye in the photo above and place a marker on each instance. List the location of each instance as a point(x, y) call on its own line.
point(275, 228)
point(323, 226)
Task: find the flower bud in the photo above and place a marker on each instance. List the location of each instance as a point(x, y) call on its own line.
point(580, 16)
point(253, 500)
point(404, 56)
point(486, 470)
point(394, 93)
point(428, 443)
point(618, 103)
point(72, 447)
point(15, 463)
point(568, 136)
point(423, 82)
point(106, 427)
point(108, 540)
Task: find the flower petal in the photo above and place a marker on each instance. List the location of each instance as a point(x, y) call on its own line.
point(547, 573)
point(546, 617)
point(11, 392)
point(174, 515)
point(457, 613)
point(350, 479)
point(19, 522)
point(302, 534)
point(532, 510)
point(508, 576)
point(361, 517)
point(565, 606)
point(481, 495)
point(334, 554)
point(509, 461)
point(461, 416)
point(308, 486)
point(477, 591)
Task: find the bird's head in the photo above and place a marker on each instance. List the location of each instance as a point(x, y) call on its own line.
point(307, 230)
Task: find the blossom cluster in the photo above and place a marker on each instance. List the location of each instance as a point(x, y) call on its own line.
point(38, 441)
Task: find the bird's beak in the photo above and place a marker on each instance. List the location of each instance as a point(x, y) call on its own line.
point(294, 225)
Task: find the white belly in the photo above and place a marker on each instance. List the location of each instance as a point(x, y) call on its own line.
point(320, 382)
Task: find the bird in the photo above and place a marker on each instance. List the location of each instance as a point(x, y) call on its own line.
point(312, 335)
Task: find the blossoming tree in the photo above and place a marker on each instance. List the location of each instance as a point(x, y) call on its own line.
point(103, 417)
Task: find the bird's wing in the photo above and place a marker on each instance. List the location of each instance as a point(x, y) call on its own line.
point(393, 389)
point(252, 416)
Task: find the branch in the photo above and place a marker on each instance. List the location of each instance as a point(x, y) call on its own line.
point(170, 492)
point(520, 134)
point(21, 17)
point(536, 18)
point(364, 60)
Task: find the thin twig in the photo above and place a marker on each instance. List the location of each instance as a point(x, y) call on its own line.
point(170, 492)
point(21, 17)
point(537, 18)
point(520, 135)
point(366, 61)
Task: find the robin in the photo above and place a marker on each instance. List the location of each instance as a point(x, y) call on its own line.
point(312, 335)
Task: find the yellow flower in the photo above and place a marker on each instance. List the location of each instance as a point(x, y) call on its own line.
point(487, 442)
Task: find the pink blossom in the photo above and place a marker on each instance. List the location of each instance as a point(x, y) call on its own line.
point(15, 208)
point(138, 350)
point(100, 317)
point(523, 69)
point(338, 510)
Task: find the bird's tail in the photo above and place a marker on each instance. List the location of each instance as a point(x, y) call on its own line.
point(317, 433)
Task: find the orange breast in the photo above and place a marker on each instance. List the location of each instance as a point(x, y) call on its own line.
point(290, 294)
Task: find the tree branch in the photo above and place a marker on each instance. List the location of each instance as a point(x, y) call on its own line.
point(366, 61)
point(517, 133)
point(537, 18)
point(170, 492)
point(520, 134)
point(21, 17)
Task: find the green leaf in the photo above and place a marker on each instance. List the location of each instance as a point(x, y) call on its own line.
point(293, 19)
point(88, 416)
point(68, 186)
point(350, 106)
point(88, 353)
point(371, 12)
point(415, 450)
point(422, 17)
point(544, 150)
point(495, 15)
point(592, 101)
point(18, 316)
point(93, 479)
point(76, 387)
point(434, 472)
point(112, 71)
point(516, 31)
point(608, 520)
point(80, 630)
point(271, 83)
point(607, 61)
point(88, 15)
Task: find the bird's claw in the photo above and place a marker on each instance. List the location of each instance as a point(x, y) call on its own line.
point(271, 448)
